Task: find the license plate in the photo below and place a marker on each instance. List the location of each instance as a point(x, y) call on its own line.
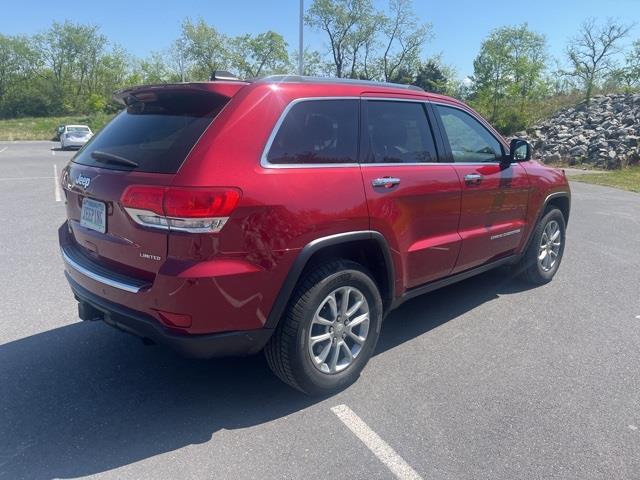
point(93, 215)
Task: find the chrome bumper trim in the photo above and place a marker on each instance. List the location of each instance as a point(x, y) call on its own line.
point(110, 281)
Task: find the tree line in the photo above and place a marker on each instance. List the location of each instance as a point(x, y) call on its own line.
point(74, 68)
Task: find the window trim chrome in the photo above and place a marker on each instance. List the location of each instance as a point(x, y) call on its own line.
point(264, 162)
point(127, 287)
point(486, 125)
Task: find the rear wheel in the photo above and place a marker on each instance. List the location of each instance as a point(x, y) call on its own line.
point(542, 259)
point(329, 330)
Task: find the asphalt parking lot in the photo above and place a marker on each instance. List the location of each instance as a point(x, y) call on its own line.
point(488, 378)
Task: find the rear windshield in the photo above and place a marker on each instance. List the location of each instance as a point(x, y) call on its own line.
point(78, 129)
point(155, 133)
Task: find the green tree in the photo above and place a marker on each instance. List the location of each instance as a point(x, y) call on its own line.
point(314, 65)
point(257, 55)
point(154, 69)
point(71, 53)
point(179, 59)
point(509, 76)
point(17, 61)
point(368, 43)
point(348, 25)
point(403, 39)
point(628, 76)
point(21, 82)
point(206, 48)
point(435, 77)
point(592, 52)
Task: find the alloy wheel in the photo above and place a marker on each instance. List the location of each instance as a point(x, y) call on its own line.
point(339, 330)
point(550, 244)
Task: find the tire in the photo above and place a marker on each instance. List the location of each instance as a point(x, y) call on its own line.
point(535, 269)
point(289, 352)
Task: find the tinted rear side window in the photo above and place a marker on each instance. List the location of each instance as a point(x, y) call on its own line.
point(317, 131)
point(398, 132)
point(157, 132)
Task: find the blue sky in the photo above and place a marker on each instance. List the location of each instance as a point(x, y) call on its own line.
point(142, 26)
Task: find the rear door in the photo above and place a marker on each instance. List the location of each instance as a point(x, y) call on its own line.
point(494, 197)
point(144, 145)
point(413, 200)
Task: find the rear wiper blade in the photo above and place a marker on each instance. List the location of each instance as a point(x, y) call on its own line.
point(107, 157)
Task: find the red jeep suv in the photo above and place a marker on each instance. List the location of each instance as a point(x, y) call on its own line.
point(291, 214)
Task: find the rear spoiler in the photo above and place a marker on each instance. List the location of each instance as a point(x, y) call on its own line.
point(224, 88)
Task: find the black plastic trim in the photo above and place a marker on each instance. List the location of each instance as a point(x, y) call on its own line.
point(227, 344)
point(307, 252)
point(431, 286)
point(549, 197)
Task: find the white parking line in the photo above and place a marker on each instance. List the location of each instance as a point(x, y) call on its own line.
point(56, 185)
point(379, 447)
point(3, 149)
point(25, 178)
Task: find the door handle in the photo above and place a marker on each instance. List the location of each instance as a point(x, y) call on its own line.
point(473, 178)
point(386, 182)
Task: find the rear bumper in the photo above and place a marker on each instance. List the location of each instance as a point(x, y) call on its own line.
point(74, 143)
point(240, 343)
point(221, 295)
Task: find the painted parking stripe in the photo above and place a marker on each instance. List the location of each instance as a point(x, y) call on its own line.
point(3, 149)
point(381, 449)
point(56, 185)
point(25, 178)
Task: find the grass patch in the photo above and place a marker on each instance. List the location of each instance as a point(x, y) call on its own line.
point(42, 128)
point(626, 178)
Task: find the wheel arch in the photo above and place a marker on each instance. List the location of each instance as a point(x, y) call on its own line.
point(369, 248)
point(560, 200)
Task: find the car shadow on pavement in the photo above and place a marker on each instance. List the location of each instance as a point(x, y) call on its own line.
point(84, 399)
point(59, 149)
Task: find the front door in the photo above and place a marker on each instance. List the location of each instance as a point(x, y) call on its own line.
point(494, 196)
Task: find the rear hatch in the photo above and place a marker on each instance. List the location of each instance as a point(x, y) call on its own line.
point(143, 145)
point(77, 132)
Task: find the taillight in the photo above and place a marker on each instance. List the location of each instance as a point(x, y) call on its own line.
point(143, 197)
point(182, 202)
point(203, 210)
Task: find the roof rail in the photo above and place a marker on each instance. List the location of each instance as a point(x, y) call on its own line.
point(348, 81)
point(224, 75)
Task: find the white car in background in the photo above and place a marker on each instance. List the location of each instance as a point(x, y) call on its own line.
point(74, 136)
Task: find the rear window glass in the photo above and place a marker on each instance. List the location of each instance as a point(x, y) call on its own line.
point(78, 129)
point(317, 131)
point(154, 133)
point(398, 132)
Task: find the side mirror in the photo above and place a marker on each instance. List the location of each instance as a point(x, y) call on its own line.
point(519, 150)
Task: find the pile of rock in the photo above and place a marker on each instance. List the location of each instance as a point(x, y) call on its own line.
point(605, 133)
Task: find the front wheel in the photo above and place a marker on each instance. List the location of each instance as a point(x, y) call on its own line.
point(329, 330)
point(542, 258)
